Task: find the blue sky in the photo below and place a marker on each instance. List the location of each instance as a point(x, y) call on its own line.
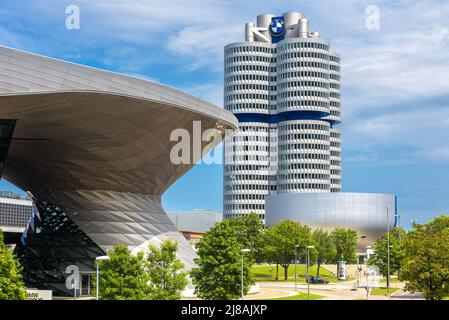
point(395, 80)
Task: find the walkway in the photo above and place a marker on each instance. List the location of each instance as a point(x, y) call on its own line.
point(334, 291)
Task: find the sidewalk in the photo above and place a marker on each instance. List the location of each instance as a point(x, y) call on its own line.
point(333, 291)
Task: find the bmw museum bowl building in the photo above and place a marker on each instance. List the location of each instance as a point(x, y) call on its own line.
point(92, 148)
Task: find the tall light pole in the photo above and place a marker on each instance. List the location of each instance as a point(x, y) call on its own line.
point(97, 260)
point(241, 287)
point(307, 271)
point(368, 249)
point(296, 259)
point(388, 252)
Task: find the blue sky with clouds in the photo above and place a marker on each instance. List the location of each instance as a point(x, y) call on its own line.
point(395, 80)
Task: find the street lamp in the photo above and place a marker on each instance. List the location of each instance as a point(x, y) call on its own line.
point(296, 259)
point(243, 253)
point(388, 252)
point(98, 259)
point(307, 269)
point(368, 249)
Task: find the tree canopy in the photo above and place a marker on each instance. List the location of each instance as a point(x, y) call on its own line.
point(157, 275)
point(397, 252)
point(249, 230)
point(426, 265)
point(11, 281)
point(281, 240)
point(167, 278)
point(324, 246)
point(123, 276)
point(345, 241)
point(218, 275)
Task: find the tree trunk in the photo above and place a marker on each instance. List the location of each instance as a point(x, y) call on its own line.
point(277, 271)
point(318, 268)
point(285, 272)
point(388, 281)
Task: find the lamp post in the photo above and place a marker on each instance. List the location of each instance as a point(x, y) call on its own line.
point(241, 288)
point(98, 259)
point(368, 248)
point(296, 259)
point(388, 252)
point(307, 271)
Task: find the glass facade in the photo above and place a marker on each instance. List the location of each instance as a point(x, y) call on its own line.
point(14, 214)
point(51, 245)
point(6, 131)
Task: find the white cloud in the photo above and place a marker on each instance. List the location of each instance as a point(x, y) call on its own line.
point(389, 75)
point(417, 135)
point(204, 44)
point(211, 92)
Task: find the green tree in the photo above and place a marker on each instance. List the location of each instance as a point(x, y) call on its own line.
point(324, 247)
point(281, 240)
point(123, 276)
point(165, 271)
point(345, 241)
point(426, 265)
point(218, 275)
point(11, 281)
point(397, 253)
point(249, 230)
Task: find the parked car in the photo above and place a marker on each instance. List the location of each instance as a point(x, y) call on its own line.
point(317, 280)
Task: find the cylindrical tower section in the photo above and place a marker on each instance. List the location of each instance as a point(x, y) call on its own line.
point(335, 159)
point(303, 28)
point(249, 35)
point(250, 87)
point(335, 118)
point(264, 21)
point(303, 156)
point(334, 87)
point(302, 102)
point(303, 76)
point(290, 19)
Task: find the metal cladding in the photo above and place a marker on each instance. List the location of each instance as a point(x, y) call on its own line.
point(283, 85)
point(292, 18)
point(365, 213)
point(304, 28)
point(264, 20)
point(97, 145)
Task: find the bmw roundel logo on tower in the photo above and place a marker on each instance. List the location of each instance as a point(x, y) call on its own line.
point(277, 27)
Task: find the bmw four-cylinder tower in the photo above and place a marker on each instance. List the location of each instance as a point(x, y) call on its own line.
point(283, 85)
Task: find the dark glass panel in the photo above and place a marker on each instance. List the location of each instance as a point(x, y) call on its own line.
point(6, 131)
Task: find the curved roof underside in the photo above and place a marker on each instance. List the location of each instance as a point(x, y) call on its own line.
point(83, 128)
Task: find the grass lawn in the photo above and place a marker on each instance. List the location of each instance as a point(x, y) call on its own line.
point(382, 291)
point(335, 279)
point(302, 280)
point(268, 272)
point(300, 296)
point(392, 280)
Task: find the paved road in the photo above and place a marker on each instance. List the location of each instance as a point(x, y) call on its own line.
point(338, 291)
point(333, 291)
